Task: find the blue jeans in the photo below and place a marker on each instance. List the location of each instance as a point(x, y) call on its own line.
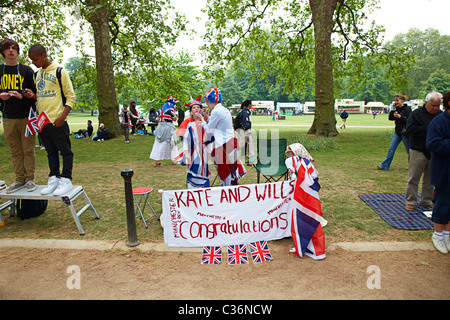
point(396, 139)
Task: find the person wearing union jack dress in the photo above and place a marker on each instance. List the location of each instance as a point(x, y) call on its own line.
point(195, 151)
point(164, 145)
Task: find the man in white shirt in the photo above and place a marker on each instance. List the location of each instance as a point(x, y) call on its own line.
point(219, 129)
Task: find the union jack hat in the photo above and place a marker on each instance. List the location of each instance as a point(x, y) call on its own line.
point(171, 100)
point(213, 95)
point(170, 104)
point(197, 102)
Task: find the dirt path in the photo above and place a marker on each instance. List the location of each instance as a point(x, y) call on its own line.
point(117, 274)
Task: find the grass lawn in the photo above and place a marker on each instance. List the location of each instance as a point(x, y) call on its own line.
point(346, 165)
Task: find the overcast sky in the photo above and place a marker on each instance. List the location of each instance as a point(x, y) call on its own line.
point(397, 16)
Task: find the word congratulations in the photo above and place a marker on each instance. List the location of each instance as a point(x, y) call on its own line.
point(194, 229)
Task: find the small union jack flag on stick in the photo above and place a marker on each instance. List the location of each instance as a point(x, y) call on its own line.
point(260, 251)
point(212, 255)
point(31, 127)
point(237, 254)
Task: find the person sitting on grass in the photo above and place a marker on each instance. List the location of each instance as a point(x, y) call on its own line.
point(85, 132)
point(102, 133)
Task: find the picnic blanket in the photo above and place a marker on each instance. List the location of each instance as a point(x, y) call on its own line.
point(391, 208)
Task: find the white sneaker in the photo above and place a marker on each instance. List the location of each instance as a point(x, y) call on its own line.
point(439, 244)
point(447, 243)
point(52, 184)
point(65, 185)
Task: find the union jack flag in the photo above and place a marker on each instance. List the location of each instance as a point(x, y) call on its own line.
point(212, 255)
point(306, 213)
point(193, 142)
point(260, 251)
point(237, 254)
point(31, 127)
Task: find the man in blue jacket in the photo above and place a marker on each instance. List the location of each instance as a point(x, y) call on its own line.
point(438, 143)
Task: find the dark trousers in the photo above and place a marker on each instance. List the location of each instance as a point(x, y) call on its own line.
point(56, 140)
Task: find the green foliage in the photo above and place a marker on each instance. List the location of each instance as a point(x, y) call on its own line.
point(271, 43)
point(34, 21)
point(278, 35)
point(83, 76)
point(438, 81)
point(179, 78)
point(431, 52)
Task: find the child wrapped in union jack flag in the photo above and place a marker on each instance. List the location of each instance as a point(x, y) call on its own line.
point(196, 152)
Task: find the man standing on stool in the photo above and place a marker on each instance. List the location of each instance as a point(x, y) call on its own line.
point(15, 107)
point(55, 136)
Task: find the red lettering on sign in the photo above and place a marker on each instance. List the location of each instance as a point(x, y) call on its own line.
point(178, 197)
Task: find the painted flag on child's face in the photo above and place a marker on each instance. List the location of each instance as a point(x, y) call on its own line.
point(306, 213)
point(237, 254)
point(260, 251)
point(212, 255)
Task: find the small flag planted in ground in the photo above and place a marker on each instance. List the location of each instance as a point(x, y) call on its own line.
point(260, 251)
point(237, 254)
point(212, 255)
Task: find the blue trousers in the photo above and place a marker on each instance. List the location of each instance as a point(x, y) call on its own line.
point(395, 141)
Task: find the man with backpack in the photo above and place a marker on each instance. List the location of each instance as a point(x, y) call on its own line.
point(344, 116)
point(56, 97)
point(244, 129)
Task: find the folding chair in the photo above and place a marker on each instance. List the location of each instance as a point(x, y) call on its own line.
point(216, 178)
point(270, 159)
point(143, 192)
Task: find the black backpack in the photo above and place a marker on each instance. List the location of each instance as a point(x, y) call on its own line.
point(237, 123)
point(29, 208)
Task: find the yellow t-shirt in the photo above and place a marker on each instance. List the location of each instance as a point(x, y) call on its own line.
point(49, 97)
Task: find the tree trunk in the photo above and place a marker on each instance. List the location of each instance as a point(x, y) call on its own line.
point(108, 107)
point(324, 118)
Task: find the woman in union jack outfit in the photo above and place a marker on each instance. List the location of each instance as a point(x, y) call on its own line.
point(196, 152)
point(164, 144)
